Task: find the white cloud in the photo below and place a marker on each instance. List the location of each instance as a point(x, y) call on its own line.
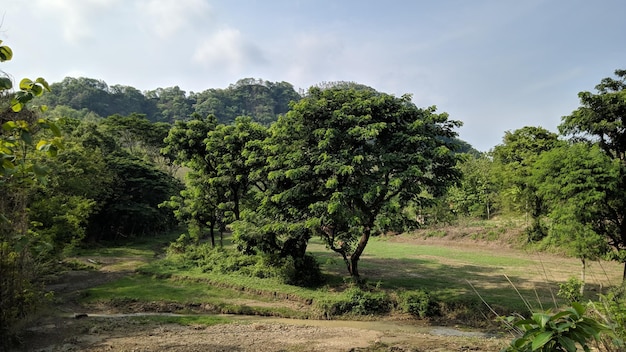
point(166, 18)
point(75, 16)
point(227, 50)
point(315, 54)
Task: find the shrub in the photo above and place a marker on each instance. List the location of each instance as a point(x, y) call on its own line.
point(302, 271)
point(366, 302)
point(563, 331)
point(417, 303)
point(570, 290)
point(356, 301)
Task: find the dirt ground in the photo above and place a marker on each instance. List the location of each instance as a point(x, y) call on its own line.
point(126, 334)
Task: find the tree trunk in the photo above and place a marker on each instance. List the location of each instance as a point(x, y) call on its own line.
point(353, 266)
point(583, 277)
point(212, 233)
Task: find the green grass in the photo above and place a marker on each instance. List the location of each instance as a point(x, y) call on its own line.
point(445, 272)
point(146, 288)
point(186, 320)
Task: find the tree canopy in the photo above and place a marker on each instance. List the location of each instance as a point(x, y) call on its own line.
point(341, 157)
point(601, 119)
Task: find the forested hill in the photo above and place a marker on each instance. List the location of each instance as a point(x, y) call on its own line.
point(259, 99)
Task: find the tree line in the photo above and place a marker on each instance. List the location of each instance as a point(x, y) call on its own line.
point(262, 100)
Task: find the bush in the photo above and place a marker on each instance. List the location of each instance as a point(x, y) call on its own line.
point(359, 302)
point(417, 303)
point(570, 290)
point(301, 272)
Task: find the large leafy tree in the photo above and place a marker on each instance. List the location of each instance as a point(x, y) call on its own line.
point(228, 146)
point(221, 172)
point(516, 157)
point(342, 155)
point(601, 119)
point(578, 182)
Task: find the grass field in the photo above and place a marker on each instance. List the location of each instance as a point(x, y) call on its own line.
point(452, 271)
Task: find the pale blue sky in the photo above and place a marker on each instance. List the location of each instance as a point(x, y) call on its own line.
point(496, 65)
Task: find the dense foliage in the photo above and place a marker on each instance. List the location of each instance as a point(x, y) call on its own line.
point(261, 100)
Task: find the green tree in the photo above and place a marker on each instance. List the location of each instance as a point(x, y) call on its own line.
point(601, 119)
point(261, 100)
point(342, 155)
point(198, 204)
point(516, 157)
point(22, 252)
point(229, 146)
point(578, 182)
point(476, 194)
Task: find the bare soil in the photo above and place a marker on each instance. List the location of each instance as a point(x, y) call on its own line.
point(254, 334)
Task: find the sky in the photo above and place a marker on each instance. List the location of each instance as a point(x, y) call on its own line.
point(495, 65)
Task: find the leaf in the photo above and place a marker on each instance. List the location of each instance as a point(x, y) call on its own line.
point(542, 339)
point(43, 83)
point(9, 125)
point(579, 309)
point(55, 129)
point(26, 84)
point(40, 170)
point(37, 90)
point(5, 83)
point(568, 343)
point(26, 137)
point(6, 53)
point(43, 145)
point(16, 106)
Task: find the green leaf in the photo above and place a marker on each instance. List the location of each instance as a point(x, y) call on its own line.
point(37, 90)
point(568, 343)
point(40, 170)
point(9, 126)
point(43, 145)
point(16, 106)
point(579, 309)
point(542, 339)
point(5, 83)
point(55, 129)
point(26, 137)
point(43, 83)
point(7, 164)
point(26, 84)
point(6, 53)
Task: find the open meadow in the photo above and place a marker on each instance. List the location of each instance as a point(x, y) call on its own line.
point(136, 298)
